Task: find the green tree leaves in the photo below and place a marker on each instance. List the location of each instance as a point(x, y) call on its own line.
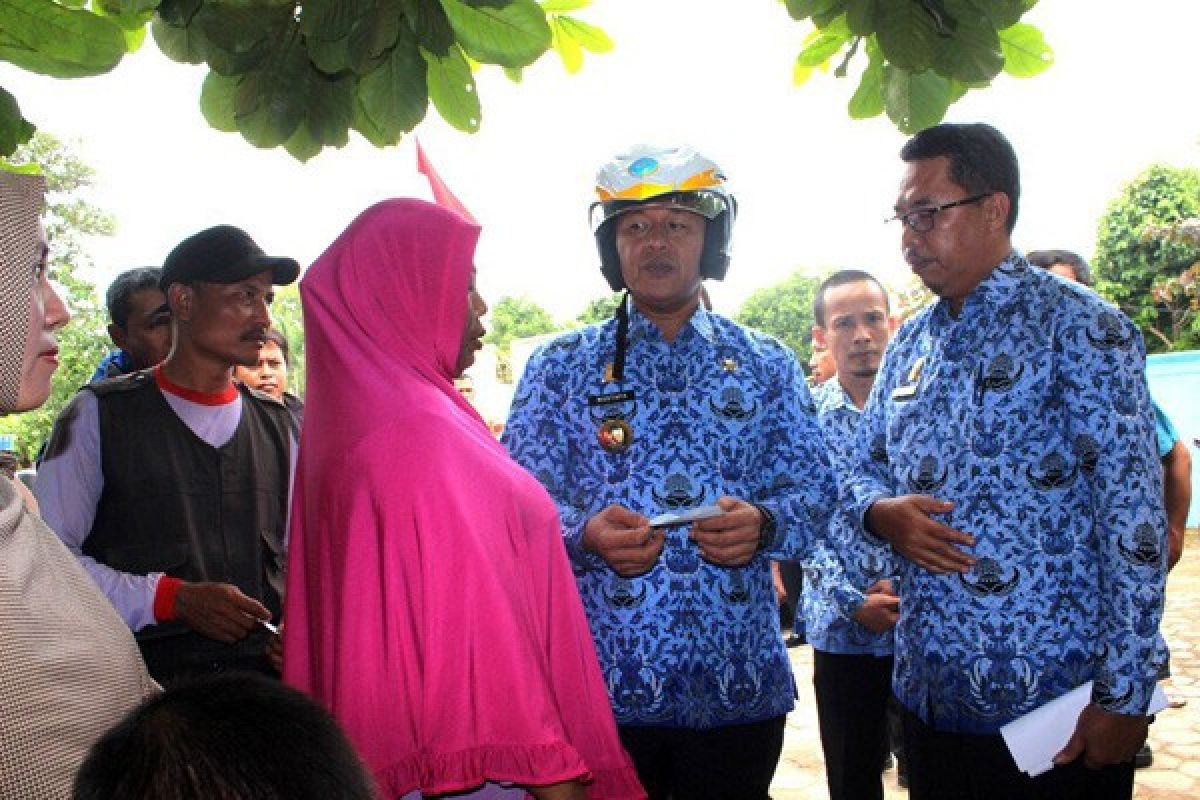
point(51, 39)
point(784, 311)
point(301, 75)
point(1025, 51)
point(922, 55)
point(511, 34)
point(1130, 258)
point(515, 318)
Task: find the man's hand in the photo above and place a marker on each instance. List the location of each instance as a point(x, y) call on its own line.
point(1104, 738)
point(731, 539)
point(568, 790)
point(880, 609)
point(777, 580)
point(624, 539)
point(218, 610)
point(905, 522)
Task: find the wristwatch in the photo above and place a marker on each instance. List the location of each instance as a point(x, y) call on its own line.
point(766, 530)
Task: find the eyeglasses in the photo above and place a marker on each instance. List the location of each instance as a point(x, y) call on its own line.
point(921, 219)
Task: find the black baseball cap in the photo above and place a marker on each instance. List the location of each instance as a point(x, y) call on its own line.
point(223, 254)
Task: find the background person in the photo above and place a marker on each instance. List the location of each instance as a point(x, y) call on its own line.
point(850, 605)
point(139, 323)
point(171, 484)
point(270, 373)
point(69, 668)
point(430, 604)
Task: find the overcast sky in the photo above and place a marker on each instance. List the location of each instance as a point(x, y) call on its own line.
point(813, 185)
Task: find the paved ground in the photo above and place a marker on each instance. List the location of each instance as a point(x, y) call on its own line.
point(1175, 736)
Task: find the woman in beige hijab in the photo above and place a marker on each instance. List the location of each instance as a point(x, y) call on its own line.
point(69, 667)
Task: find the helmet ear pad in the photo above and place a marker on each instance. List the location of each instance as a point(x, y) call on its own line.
point(610, 262)
point(714, 258)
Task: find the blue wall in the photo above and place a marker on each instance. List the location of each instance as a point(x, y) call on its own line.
point(1175, 383)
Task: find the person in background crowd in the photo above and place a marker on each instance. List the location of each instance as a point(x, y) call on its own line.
point(430, 604)
point(821, 366)
point(171, 484)
point(69, 668)
point(270, 373)
point(664, 409)
point(850, 605)
point(1007, 453)
point(1176, 460)
point(139, 323)
point(237, 736)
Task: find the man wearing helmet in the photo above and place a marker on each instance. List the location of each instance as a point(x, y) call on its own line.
point(664, 409)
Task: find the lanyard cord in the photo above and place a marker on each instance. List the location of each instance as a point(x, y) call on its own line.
point(622, 314)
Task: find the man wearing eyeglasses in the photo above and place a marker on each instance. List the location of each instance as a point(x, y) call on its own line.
point(1008, 454)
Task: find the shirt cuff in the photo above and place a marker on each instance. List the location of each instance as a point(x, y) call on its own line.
point(848, 600)
point(165, 593)
point(860, 513)
point(581, 559)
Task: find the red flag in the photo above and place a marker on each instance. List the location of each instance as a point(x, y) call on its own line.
point(441, 194)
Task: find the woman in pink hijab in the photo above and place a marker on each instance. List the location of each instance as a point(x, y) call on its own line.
point(430, 604)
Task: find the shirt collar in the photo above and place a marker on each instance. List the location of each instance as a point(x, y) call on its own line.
point(1000, 288)
point(832, 396)
point(640, 327)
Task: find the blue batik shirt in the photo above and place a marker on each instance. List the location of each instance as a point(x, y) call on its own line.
point(721, 410)
point(1030, 413)
point(844, 566)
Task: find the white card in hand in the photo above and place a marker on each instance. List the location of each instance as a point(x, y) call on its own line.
point(1036, 738)
point(685, 516)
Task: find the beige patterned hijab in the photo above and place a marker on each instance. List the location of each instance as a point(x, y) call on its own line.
point(21, 201)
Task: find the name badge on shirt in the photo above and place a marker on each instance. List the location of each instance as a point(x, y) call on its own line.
point(602, 400)
point(909, 390)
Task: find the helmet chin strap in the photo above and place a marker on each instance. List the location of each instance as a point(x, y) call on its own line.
point(622, 315)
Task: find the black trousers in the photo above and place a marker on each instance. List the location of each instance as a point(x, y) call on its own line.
point(732, 762)
point(852, 694)
point(959, 766)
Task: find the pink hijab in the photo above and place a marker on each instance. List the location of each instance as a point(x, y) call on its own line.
point(430, 604)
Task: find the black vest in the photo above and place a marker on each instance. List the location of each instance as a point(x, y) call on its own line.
point(172, 503)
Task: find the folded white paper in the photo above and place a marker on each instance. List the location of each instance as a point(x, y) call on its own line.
point(683, 517)
point(1036, 738)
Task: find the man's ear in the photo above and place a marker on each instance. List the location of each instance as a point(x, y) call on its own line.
point(117, 335)
point(893, 324)
point(996, 208)
point(818, 338)
point(181, 298)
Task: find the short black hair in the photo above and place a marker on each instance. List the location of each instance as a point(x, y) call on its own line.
point(273, 335)
point(1048, 258)
point(981, 159)
point(236, 736)
point(125, 286)
point(840, 278)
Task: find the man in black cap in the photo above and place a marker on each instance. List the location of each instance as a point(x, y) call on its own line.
point(171, 484)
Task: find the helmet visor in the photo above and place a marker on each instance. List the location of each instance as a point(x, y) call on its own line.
point(707, 204)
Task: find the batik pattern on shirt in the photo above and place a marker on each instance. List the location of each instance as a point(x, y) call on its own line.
point(1030, 413)
point(844, 566)
point(719, 411)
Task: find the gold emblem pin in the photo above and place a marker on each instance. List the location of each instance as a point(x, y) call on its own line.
point(615, 435)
